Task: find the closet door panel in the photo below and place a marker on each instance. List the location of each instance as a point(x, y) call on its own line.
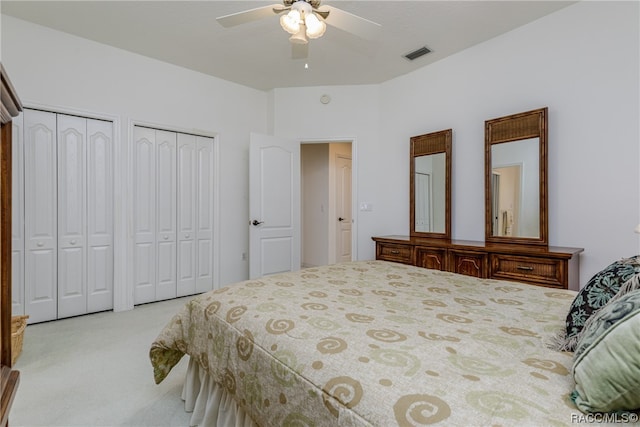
point(17, 217)
point(144, 212)
point(40, 215)
point(204, 220)
point(187, 193)
point(99, 215)
point(72, 137)
point(166, 214)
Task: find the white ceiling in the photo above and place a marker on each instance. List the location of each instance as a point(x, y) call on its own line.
point(258, 54)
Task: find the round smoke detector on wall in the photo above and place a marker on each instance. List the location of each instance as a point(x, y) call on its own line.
point(325, 99)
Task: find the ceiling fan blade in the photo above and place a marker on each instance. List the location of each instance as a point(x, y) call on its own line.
point(351, 23)
point(299, 51)
point(250, 15)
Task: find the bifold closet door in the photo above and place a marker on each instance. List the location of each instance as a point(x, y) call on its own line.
point(85, 216)
point(187, 200)
point(166, 214)
point(154, 211)
point(144, 211)
point(68, 216)
point(100, 168)
point(72, 235)
point(40, 208)
point(204, 207)
point(172, 214)
point(195, 214)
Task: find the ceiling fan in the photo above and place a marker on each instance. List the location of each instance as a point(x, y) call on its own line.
point(304, 20)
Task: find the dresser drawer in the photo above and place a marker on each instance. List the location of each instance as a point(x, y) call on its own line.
point(394, 252)
point(543, 271)
point(433, 258)
point(469, 263)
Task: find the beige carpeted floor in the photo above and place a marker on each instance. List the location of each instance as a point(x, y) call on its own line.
point(94, 370)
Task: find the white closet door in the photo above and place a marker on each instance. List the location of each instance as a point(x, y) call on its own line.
point(17, 217)
point(99, 215)
point(72, 239)
point(204, 266)
point(187, 200)
point(166, 214)
point(40, 215)
point(144, 211)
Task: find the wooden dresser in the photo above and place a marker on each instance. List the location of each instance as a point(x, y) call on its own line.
point(555, 267)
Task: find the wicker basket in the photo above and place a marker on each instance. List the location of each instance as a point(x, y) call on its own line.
point(18, 324)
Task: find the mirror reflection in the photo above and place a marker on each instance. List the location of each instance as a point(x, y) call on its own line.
point(515, 183)
point(430, 193)
point(430, 185)
point(516, 179)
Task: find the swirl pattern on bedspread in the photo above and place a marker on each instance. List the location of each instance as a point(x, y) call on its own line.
point(379, 343)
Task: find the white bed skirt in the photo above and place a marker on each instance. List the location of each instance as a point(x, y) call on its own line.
point(210, 403)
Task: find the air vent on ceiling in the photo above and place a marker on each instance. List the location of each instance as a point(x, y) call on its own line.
point(417, 53)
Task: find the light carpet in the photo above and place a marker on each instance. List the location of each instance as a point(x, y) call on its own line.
point(94, 370)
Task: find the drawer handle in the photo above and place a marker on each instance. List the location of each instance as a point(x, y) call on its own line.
point(524, 268)
point(395, 252)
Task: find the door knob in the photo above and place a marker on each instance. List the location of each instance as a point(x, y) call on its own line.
point(256, 222)
point(40, 244)
point(73, 242)
point(340, 219)
point(165, 237)
point(187, 236)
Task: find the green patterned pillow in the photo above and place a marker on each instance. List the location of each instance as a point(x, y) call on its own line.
point(603, 286)
point(606, 365)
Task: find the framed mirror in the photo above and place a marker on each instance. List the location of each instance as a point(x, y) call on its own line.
point(430, 185)
point(516, 179)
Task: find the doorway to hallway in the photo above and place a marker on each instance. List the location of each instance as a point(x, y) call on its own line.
point(326, 203)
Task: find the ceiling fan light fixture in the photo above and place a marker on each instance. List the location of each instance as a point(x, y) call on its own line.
point(290, 22)
point(300, 37)
point(315, 26)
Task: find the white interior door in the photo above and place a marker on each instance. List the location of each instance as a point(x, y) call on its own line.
point(343, 208)
point(72, 137)
point(274, 205)
point(40, 204)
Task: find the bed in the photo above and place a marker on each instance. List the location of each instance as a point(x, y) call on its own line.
point(372, 343)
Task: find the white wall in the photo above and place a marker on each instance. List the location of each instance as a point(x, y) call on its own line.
point(582, 62)
point(56, 69)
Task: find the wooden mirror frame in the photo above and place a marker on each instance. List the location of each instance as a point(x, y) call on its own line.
point(530, 124)
point(421, 145)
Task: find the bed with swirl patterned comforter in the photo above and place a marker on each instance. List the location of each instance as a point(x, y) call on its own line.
point(374, 343)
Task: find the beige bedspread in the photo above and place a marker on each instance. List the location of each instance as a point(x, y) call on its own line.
point(379, 343)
